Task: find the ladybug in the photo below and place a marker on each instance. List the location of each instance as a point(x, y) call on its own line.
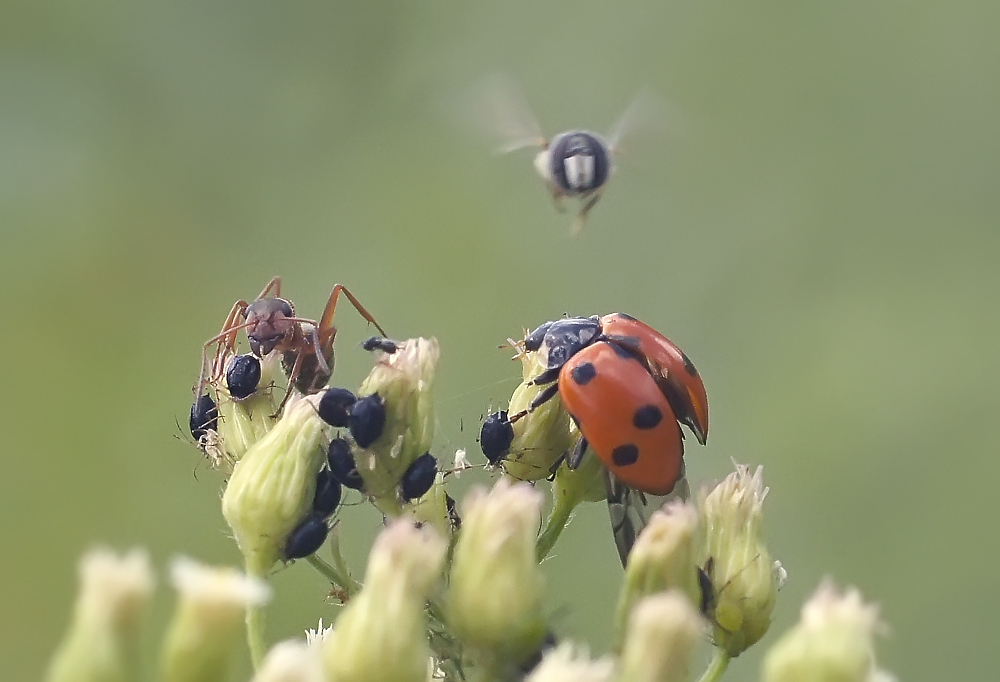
point(628, 388)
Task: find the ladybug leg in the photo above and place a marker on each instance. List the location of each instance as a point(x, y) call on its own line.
point(546, 377)
point(540, 399)
point(555, 466)
point(576, 454)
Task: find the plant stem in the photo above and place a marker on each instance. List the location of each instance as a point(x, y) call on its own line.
point(562, 509)
point(332, 573)
point(720, 661)
point(255, 634)
point(337, 572)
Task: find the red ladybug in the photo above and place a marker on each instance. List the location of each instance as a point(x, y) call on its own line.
point(628, 388)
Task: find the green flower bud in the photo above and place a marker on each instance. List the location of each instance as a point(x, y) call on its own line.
point(663, 631)
point(494, 603)
point(570, 487)
point(568, 663)
point(243, 422)
point(662, 558)
point(292, 661)
point(432, 508)
point(833, 641)
point(744, 579)
point(586, 483)
point(207, 623)
point(100, 645)
point(272, 487)
point(381, 635)
point(541, 437)
point(403, 380)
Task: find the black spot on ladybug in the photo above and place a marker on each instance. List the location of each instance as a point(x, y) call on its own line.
point(623, 455)
point(647, 417)
point(688, 365)
point(582, 374)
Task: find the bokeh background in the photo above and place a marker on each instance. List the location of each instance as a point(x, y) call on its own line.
point(819, 233)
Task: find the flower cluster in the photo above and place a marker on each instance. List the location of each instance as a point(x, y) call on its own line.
point(454, 590)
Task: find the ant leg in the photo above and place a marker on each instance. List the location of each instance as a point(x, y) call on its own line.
point(326, 322)
point(226, 339)
point(581, 217)
point(273, 287)
point(292, 376)
point(321, 362)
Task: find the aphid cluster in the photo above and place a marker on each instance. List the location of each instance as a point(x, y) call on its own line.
point(240, 396)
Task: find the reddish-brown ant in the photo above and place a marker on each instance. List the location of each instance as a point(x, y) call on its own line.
point(306, 345)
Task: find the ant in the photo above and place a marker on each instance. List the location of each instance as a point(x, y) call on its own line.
point(306, 345)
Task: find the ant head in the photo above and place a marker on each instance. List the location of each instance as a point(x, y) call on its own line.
point(269, 322)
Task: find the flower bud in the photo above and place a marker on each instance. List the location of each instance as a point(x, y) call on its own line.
point(207, 623)
point(567, 663)
point(744, 579)
point(832, 641)
point(100, 645)
point(663, 557)
point(586, 483)
point(403, 380)
point(663, 631)
point(381, 635)
point(272, 488)
point(243, 422)
point(432, 508)
point(541, 436)
point(494, 600)
point(291, 661)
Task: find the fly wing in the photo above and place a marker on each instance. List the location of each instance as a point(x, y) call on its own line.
point(630, 510)
point(497, 107)
point(647, 114)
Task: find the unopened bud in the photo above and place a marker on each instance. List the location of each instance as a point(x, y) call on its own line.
point(494, 602)
point(540, 436)
point(744, 579)
point(207, 623)
point(381, 636)
point(662, 558)
point(663, 631)
point(291, 661)
point(568, 663)
point(272, 488)
point(403, 381)
point(244, 422)
point(832, 642)
point(100, 645)
point(586, 483)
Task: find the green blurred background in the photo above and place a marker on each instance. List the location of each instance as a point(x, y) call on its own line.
point(821, 238)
